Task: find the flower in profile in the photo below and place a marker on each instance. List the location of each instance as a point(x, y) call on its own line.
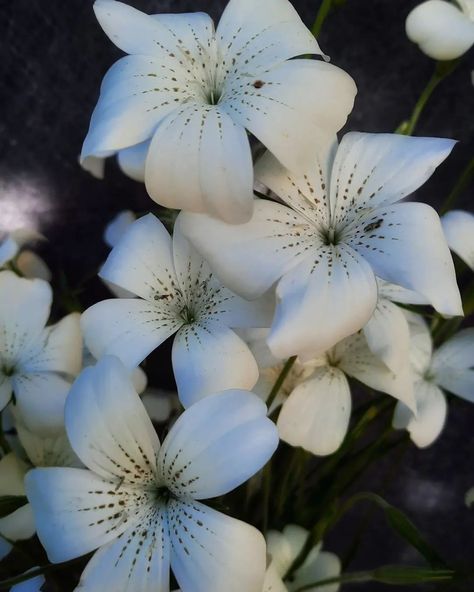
point(339, 227)
point(458, 227)
point(195, 91)
point(443, 30)
point(37, 363)
point(177, 294)
point(448, 368)
point(316, 396)
point(138, 502)
point(284, 547)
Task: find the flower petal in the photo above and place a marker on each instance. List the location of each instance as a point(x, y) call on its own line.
point(374, 170)
point(273, 582)
point(217, 444)
point(324, 566)
point(356, 360)
point(135, 32)
point(138, 560)
point(200, 161)
point(19, 525)
point(142, 261)
point(440, 29)
point(12, 473)
point(453, 365)
point(59, 349)
point(308, 193)
point(388, 335)
point(107, 424)
point(132, 161)
point(40, 399)
point(8, 250)
point(321, 301)
point(54, 451)
point(208, 358)
point(205, 294)
point(32, 266)
point(398, 294)
point(274, 107)
point(24, 310)
point(249, 258)
point(458, 228)
point(127, 328)
point(253, 36)
point(34, 584)
point(211, 552)
point(430, 418)
point(390, 237)
point(316, 414)
point(421, 343)
point(117, 227)
point(77, 511)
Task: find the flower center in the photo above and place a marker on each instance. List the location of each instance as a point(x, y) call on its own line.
point(187, 315)
point(164, 495)
point(331, 236)
point(8, 370)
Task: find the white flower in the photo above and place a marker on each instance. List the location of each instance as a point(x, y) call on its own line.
point(387, 332)
point(177, 294)
point(316, 395)
point(137, 503)
point(29, 264)
point(117, 227)
point(284, 547)
point(37, 363)
point(195, 91)
point(450, 368)
point(443, 30)
point(458, 227)
point(339, 228)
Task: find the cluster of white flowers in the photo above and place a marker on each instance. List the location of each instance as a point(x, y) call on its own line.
point(303, 287)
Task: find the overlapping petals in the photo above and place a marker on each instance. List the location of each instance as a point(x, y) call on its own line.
point(137, 501)
point(194, 91)
point(177, 294)
point(340, 228)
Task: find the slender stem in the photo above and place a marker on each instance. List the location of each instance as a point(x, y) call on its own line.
point(442, 70)
point(461, 184)
point(280, 380)
point(321, 16)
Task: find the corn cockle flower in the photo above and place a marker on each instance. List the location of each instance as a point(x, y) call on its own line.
point(37, 363)
point(339, 227)
point(458, 227)
point(316, 396)
point(450, 368)
point(195, 91)
point(177, 294)
point(138, 501)
point(284, 547)
point(443, 30)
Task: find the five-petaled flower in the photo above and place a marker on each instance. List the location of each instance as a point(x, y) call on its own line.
point(195, 91)
point(137, 502)
point(177, 294)
point(339, 228)
point(37, 363)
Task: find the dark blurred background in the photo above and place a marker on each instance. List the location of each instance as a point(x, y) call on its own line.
point(53, 57)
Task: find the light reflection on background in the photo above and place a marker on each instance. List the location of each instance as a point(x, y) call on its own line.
point(25, 202)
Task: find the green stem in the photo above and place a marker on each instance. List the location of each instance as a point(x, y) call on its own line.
point(280, 380)
point(442, 70)
point(321, 16)
point(461, 184)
